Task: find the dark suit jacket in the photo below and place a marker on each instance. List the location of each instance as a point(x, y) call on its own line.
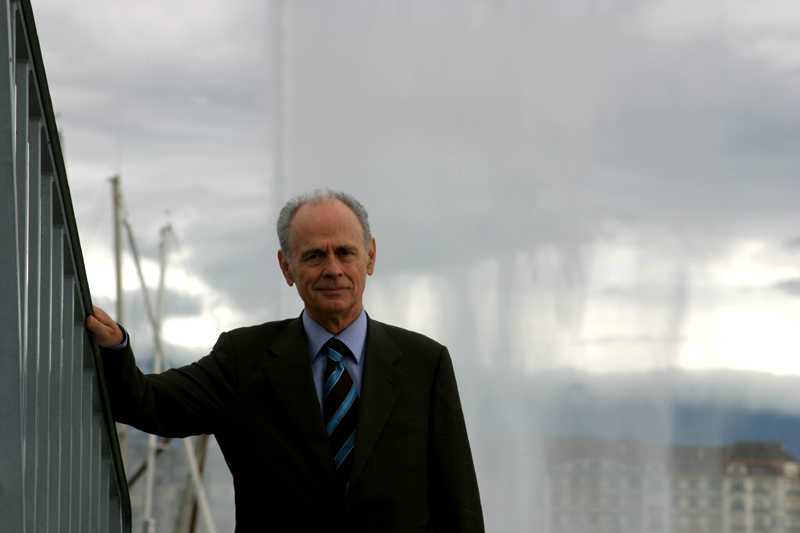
point(412, 467)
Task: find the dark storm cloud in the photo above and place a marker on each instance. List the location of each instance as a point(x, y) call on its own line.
point(706, 138)
point(162, 84)
point(789, 286)
point(241, 259)
point(176, 303)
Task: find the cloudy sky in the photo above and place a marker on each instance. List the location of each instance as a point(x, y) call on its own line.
point(602, 186)
point(611, 186)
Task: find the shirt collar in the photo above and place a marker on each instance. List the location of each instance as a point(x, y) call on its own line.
point(353, 336)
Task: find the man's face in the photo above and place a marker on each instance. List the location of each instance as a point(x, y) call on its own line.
point(328, 263)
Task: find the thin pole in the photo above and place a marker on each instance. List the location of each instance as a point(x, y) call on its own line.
point(283, 104)
point(148, 306)
point(116, 193)
point(117, 198)
point(202, 498)
point(184, 518)
point(158, 360)
point(162, 273)
point(187, 522)
point(143, 467)
point(202, 454)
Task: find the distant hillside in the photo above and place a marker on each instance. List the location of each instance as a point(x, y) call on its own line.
point(664, 407)
point(714, 425)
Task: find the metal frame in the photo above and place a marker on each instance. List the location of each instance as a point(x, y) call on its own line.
point(60, 463)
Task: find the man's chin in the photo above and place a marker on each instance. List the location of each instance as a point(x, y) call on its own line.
point(333, 306)
point(336, 316)
point(336, 308)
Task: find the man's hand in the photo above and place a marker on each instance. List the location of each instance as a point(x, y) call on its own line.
point(106, 332)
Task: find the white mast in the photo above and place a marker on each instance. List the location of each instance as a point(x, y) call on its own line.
point(116, 193)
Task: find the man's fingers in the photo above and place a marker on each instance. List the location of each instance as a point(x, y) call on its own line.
point(103, 317)
point(106, 332)
point(95, 326)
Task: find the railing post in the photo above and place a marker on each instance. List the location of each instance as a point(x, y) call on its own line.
point(12, 495)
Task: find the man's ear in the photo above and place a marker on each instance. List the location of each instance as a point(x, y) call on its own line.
point(371, 255)
point(284, 264)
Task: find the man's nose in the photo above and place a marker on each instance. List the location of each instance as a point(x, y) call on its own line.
point(332, 266)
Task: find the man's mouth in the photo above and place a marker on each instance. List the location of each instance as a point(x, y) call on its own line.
point(332, 290)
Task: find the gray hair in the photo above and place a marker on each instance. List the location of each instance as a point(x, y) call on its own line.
point(317, 197)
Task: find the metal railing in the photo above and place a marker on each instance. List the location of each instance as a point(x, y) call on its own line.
point(60, 465)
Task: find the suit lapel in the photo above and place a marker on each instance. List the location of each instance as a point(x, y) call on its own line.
point(381, 383)
point(290, 376)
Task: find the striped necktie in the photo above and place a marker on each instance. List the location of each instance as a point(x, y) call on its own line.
point(340, 411)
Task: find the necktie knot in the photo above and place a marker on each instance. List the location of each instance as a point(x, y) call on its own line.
point(336, 349)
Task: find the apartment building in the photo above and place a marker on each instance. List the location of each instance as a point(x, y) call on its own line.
point(596, 485)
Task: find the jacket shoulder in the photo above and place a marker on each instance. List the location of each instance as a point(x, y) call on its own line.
point(406, 339)
point(260, 333)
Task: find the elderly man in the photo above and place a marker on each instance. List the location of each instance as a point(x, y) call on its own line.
point(328, 422)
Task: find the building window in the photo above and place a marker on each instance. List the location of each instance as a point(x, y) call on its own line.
point(761, 486)
point(737, 469)
point(762, 523)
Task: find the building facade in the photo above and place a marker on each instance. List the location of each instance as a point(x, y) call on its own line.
point(621, 485)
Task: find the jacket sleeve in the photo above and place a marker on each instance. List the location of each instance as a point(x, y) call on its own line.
point(190, 400)
point(454, 498)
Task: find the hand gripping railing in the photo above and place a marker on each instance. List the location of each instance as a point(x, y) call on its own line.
point(60, 465)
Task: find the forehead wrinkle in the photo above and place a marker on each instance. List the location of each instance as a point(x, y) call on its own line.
point(311, 250)
point(316, 247)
